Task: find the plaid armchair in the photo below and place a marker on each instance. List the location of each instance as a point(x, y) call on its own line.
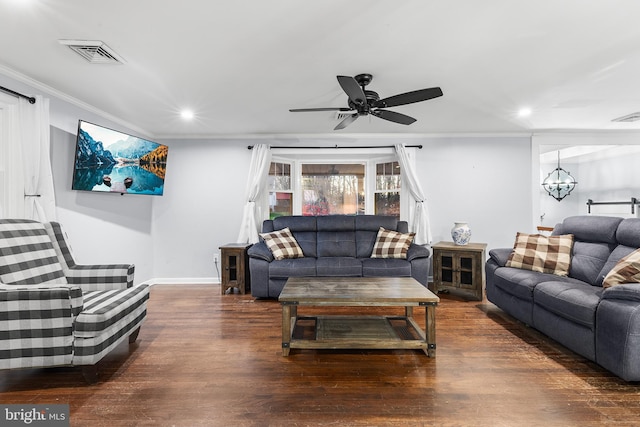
point(54, 312)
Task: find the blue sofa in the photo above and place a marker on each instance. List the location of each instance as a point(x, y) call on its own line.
point(333, 245)
point(603, 325)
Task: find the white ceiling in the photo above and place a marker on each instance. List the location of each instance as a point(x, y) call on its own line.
point(240, 65)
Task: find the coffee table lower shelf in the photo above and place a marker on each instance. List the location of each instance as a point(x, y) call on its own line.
point(356, 332)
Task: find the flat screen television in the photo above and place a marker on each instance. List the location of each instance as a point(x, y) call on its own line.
point(111, 161)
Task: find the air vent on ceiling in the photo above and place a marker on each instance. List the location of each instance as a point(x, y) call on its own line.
point(633, 117)
point(341, 116)
point(94, 51)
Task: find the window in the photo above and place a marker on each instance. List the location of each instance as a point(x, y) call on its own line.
point(387, 193)
point(280, 192)
point(332, 189)
point(332, 184)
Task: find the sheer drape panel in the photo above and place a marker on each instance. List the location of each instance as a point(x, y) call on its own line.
point(11, 170)
point(39, 199)
point(419, 223)
point(25, 165)
point(252, 215)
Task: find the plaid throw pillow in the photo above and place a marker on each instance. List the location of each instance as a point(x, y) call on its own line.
point(627, 270)
point(282, 244)
point(545, 254)
point(391, 244)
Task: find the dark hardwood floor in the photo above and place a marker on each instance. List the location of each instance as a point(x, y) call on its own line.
point(203, 359)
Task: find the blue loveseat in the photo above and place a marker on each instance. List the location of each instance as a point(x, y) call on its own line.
point(334, 245)
point(601, 324)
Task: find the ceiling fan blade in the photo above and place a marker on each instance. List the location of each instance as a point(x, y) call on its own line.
point(306, 110)
point(410, 97)
point(346, 122)
point(352, 89)
point(392, 116)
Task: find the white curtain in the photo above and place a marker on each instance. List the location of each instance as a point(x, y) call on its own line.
point(25, 165)
point(39, 198)
point(419, 223)
point(11, 177)
point(258, 172)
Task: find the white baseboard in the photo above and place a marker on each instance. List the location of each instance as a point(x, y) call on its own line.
point(182, 281)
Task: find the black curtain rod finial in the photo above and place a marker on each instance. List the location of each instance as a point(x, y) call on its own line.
point(31, 99)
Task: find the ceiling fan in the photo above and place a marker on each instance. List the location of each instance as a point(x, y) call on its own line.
point(363, 102)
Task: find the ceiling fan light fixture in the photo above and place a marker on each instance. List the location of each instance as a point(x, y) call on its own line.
point(364, 102)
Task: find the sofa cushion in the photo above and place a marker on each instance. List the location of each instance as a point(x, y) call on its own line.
point(102, 309)
point(385, 267)
point(336, 236)
point(303, 229)
point(520, 283)
point(587, 260)
point(297, 267)
point(27, 255)
point(573, 301)
point(585, 228)
point(391, 244)
point(544, 254)
point(282, 244)
point(627, 270)
point(339, 266)
point(628, 232)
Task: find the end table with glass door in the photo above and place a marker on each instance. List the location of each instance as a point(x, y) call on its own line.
point(235, 267)
point(459, 268)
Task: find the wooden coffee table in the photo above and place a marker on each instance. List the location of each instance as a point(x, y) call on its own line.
point(357, 331)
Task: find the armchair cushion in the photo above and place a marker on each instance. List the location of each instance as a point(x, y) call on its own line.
point(27, 255)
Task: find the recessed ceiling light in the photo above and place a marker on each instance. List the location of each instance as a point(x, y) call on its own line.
point(187, 114)
point(524, 112)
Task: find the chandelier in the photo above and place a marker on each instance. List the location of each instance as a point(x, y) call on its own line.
point(559, 183)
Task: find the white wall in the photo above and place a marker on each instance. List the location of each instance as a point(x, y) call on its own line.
point(202, 205)
point(481, 180)
point(103, 228)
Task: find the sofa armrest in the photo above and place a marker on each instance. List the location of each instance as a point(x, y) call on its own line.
point(624, 291)
point(101, 277)
point(500, 255)
point(260, 251)
point(418, 251)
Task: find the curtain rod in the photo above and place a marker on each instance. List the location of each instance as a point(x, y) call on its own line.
point(250, 147)
point(31, 99)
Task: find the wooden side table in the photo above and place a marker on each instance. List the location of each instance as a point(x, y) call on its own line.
point(234, 262)
point(459, 268)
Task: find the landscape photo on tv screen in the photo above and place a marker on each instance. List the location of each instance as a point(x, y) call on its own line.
point(111, 161)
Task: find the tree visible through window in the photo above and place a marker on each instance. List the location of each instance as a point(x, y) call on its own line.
point(388, 184)
point(299, 187)
point(332, 189)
